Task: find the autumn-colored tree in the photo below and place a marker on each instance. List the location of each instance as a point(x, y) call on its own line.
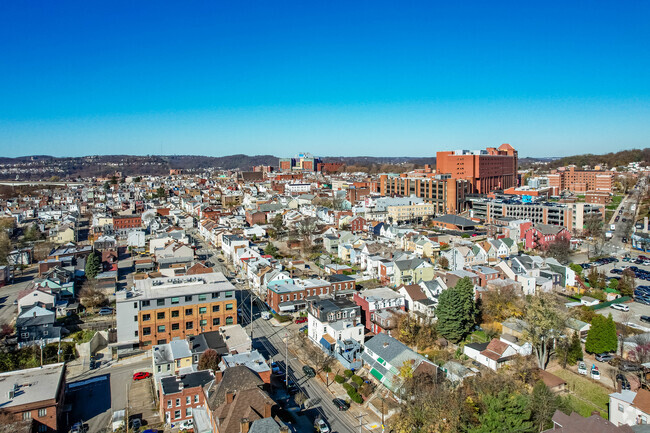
point(209, 360)
point(501, 303)
point(443, 262)
point(544, 322)
point(626, 283)
point(90, 296)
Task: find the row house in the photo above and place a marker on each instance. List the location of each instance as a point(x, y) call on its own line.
point(180, 395)
point(378, 306)
point(292, 295)
point(335, 326)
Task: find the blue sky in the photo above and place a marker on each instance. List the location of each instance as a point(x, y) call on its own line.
point(331, 78)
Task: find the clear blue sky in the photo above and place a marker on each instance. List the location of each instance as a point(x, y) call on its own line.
point(331, 78)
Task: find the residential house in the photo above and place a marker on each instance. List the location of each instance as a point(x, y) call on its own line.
point(412, 271)
point(629, 407)
point(379, 308)
point(37, 325)
point(576, 423)
point(493, 355)
point(180, 395)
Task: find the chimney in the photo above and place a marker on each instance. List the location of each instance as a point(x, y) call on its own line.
point(284, 429)
point(230, 396)
point(267, 410)
point(244, 425)
point(218, 375)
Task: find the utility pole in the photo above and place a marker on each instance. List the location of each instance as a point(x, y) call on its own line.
point(126, 418)
point(286, 360)
point(250, 294)
point(360, 418)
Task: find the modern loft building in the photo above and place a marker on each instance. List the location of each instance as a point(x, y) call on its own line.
point(159, 310)
point(486, 170)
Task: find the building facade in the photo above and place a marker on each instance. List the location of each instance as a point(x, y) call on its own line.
point(445, 194)
point(581, 181)
point(486, 170)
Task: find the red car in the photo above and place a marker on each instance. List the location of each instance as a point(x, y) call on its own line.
point(301, 320)
point(141, 375)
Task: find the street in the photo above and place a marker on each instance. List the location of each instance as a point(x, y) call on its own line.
point(9, 294)
point(102, 391)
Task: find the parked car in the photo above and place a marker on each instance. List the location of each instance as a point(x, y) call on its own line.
point(321, 426)
point(341, 404)
point(303, 329)
point(275, 368)
point(105, 311)
point(78, 427)
point(629, 366)
point(188, 424)
point(301, 320)
point(604, 357)
point(645, 319)
point(141, 375)
point(595, 373)
point(309, 372)
point(135, 423)
point(625, 384)
point(582, 368)
point(620, 307)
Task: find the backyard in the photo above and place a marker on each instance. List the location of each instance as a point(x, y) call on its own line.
point(584, 395)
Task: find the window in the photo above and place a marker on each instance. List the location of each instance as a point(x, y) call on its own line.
point(203, 297)
point(169, 402)
point(160, 315)
point(188, 400)
point(160, 302)
point(229, 307)
point(215, 295)
point(216, 322)
point(42, 412)
point(204, 323)
point(188, 311)
point(188, 411)
point(203, 310)
point(27, 415)
point(176, 326)
point(176, 300)
point(161, 328)
point(178, 402)
point(135, 318)
point(163, 341)
point(196, 398)
point(620, 407)
point(143, 304)
point(229, 320)
point(216, 308)
point(230, 294)
point(188, 298)
point(189, 325)
point(175, 313)
point(42, 428)
point(135, 304)
point(135, 333)
point(177, 414)
point(24, 334)
point(146, 331)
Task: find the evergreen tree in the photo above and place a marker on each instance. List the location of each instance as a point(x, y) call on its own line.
point(505, 413)
point(543, 404)
point(93, 265)
point(602, 335)
point(457, 310)
point(575, 350)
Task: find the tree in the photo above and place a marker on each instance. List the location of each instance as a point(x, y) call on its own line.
point(596, 279)
point(543, 324)
point(626, 283)
point(93, 265)
point(576, 268)
point(5, 247)
point(160, 192)
point(457, 310)
point(505, 412)
point(271, 249)
point(277, 221)
point(593, 225)
point(209, 360)
point(499, 304)
point(602, 335)
point(443, 262)
point(569, 350)
point(559, 249)
point(90, 296)
point(407, 329)
point(543, 404)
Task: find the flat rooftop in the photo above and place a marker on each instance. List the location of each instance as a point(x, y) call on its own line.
point(151, 288)
point(31, 385)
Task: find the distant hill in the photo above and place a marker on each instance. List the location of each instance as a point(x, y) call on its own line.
point(613, 159)
point(45, 167)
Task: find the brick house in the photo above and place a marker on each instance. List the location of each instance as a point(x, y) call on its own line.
point(375, 304)
point(358, 224)
point(541, 235)
point(36, 395)
point(179, 395)
point(253, 218)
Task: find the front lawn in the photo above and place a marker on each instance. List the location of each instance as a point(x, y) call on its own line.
point(585, 391)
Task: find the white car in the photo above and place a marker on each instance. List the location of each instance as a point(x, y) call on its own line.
point(186, 425)
point(582, 368)
point(620, 307)
point(321, 426)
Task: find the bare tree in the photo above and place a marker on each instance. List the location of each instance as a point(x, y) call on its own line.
point(90, 296)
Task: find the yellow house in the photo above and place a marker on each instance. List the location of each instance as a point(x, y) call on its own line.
point(169, 358)
point(63, 235)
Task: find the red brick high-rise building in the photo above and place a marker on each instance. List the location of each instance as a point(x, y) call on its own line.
point(486, 170)
point(581, 181)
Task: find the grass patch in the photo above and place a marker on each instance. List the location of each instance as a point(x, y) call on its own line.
point(83, 336)
point(584, 408)
point(282, 318)
point(585, 390)
point(477, 337)
point(616, 200)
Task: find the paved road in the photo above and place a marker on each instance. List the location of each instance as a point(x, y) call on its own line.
point(9, 294)
point(95, 394)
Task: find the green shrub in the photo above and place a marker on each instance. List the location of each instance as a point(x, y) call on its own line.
point(348, 373)
point(355, 397)
point(356, 379)
point(349, 388)
point(339, 379)
point(281, 318)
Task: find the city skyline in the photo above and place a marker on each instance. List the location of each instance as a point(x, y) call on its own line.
point(335, 80)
